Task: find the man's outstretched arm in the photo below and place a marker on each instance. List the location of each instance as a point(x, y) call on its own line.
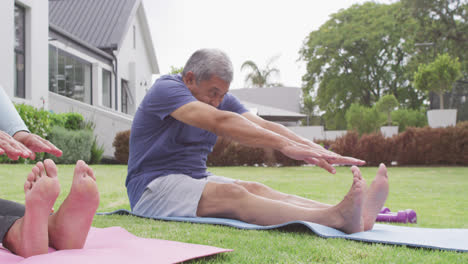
point(282, 130)
point(242, 130)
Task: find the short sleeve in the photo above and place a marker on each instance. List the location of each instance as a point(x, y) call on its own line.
point(11, 121)
point(166, 96)
point(232, 104)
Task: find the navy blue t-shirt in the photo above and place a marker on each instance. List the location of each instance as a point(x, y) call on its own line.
point(161, 145)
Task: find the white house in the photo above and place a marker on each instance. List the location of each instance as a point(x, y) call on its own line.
point(92, 57)
point(23, 51)
point(277, 104)
point(283, 105)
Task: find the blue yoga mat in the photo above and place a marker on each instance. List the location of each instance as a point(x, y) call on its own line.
point(432, 238)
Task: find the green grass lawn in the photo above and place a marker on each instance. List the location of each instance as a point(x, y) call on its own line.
point(438, 194)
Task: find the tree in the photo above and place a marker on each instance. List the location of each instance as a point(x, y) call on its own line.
point(443, 26)
point(438, 76)
point(260, 77)
point(359, 54)
point(386, 105)
point(176, 70)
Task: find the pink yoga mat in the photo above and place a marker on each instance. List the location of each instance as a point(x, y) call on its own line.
point(115, 245)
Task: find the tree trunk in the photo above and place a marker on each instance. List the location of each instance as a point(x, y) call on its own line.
point(441, 99)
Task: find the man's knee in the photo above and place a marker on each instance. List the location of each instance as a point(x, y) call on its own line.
point(221, 199)
point(225, 191)
point(253, 187)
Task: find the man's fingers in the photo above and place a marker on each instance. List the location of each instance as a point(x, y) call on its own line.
point(342, 160)
point(33, 156)
point(322, 164)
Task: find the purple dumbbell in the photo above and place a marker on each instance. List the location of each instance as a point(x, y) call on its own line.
point(411, 215)
point(407, 216)
point(385, 210)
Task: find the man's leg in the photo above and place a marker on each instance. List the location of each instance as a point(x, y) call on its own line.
point(28, 235)
point(235, 201)
point(69, 226)
point(267, 192)
point(375, 198)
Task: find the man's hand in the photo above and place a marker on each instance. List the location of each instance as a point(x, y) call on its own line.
point(12, 148)
point(313, 153)
point(36, 144)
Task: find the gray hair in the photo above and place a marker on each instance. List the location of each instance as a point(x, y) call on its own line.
point(205, 63)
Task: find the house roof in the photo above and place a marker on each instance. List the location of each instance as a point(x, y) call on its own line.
point(272, 113)
point(286, 98)
point(55, 31)
point(102, 24)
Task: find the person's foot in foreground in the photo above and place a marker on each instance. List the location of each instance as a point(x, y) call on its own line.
point(350, 208)
point(375, 197)
point(66, 229)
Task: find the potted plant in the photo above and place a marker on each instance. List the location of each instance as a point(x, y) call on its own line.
point(438, 77)
point(386, 105)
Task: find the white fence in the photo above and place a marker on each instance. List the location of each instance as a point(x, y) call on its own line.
point(317, 132)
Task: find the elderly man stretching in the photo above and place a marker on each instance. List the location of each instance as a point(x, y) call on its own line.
point(176, 127)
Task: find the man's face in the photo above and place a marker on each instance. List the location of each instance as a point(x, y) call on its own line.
point(210, 92)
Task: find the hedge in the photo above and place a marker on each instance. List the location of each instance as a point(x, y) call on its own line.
point(45, 123)
point(415, 146)
point(75, 145)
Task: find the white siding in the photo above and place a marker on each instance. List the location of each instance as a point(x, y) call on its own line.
point(36, 35)
point(134, 64)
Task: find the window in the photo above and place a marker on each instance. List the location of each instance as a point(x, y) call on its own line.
point(106, 88)
point(20, 44)
point(69, 76)
point(124, 96)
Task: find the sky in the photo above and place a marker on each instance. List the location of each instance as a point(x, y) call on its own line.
point(254, 30)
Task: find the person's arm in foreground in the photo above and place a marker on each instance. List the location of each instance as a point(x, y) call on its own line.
point(16, 141)
point(282, 130)
point(246, 132)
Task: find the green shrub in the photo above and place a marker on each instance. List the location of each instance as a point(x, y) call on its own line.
point(386, 105)
point(74, 121)
point(363, 119)
point(37, 121)
point(58, 119)
point(409, 118)
point(96, 152)
point(122, 146)
point(75, 144)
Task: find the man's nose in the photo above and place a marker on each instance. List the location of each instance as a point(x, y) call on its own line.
point(215, 102)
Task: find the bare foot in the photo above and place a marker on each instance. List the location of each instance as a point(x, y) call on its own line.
point(350, 209)
point(376, 196)
point(69, 227)
point(28, 236)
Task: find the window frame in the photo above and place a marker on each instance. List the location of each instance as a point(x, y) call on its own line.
point(110, 88)
point(20, 92)
point(124, 99)
point(75, 58)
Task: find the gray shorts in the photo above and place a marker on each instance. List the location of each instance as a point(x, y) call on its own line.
point(174, 195)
